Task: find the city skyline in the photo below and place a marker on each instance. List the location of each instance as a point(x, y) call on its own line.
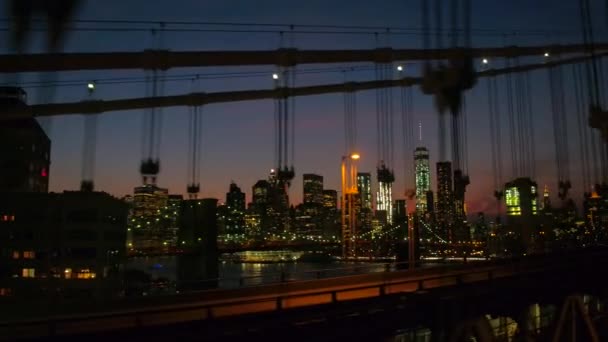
point(289, 192)
point(319, 119)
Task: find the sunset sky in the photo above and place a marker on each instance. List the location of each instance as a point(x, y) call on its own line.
point(238, 137)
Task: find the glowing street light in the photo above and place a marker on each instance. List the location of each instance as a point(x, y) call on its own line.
point(275, 76)
point(400, 68)
point(355, 156)
point(485, 61)
point(547, 54)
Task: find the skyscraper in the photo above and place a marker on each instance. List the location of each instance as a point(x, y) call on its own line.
point(171, 218)
point(313, 189)
point(24, 156)
point(364, 187)
point(423, 179)
point(235, 198)
point(279, 199)
point(330, 200)
point(400, 219)
point(522, 208)
point(147, 224)
point(444, 206)
point(384, 198)
point(234, 222)
point(364, 206)
point(261, 193)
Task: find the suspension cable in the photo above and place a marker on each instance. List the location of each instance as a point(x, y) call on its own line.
point(511, 117)
point(531, 131)
point(582, 138)
point(89, 147)
point(588, 41)
point(407, 120)
point(152, 122)
point(465, 136)
point(521, 124)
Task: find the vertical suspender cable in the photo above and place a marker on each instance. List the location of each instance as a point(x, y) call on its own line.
point(531, 131)
point(510, 114)
point(580, 127)
point(89, 147)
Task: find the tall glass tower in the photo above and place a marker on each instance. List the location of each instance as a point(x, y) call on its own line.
point(313, 189)
point(423, 178)
point(384, 197)
point(364, 186)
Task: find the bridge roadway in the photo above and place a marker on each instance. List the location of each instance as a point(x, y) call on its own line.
point(224, 312)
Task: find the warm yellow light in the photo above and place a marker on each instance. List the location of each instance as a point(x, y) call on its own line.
point(355, 156)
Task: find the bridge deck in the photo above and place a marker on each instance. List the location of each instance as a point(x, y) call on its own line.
point(218, 304)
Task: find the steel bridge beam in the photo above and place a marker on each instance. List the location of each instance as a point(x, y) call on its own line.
point(166, 59)
point(199, 99)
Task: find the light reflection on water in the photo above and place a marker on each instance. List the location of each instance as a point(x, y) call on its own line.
point(233, 274)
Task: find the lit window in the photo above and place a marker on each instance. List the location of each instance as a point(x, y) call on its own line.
point(29, 254)
point(15, 254)
point(28, 273)
point(85, 274)
point(68, 273)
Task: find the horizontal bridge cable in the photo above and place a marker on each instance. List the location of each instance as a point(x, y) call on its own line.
point(244, 95)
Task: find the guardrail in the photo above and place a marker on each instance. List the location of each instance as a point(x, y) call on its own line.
point(283, 298)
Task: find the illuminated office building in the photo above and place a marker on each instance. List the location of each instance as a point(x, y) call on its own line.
point(313, 189)
point(234, 218)
point(363, 199)
point(261, 193)
point(364, 188)
point(445, 205)
point(330, 200)
point(55, 245)
point(521, 197)
point(384, 197)
point(423, 179)
point(147, 224)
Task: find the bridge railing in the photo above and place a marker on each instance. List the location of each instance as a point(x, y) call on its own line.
point(275, 298)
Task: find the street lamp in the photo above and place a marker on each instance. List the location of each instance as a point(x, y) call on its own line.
point(485, 61)
point(349, 189)
point(275, 76)
point(400, 68)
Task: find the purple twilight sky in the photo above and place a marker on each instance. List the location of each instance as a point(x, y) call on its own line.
point(238, 137)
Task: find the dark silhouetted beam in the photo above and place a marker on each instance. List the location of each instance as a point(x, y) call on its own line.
point(165, 59)
point(199, 99)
